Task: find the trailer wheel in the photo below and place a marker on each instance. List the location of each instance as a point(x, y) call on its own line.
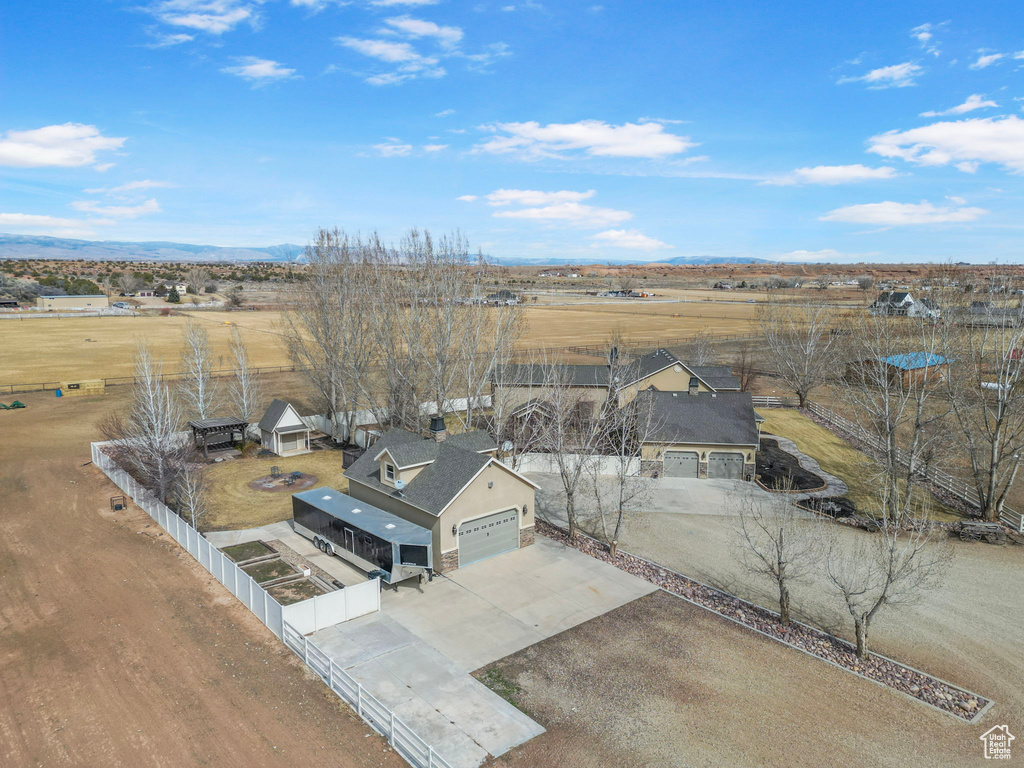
point(328, 548)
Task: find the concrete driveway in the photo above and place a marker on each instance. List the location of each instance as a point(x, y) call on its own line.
point(416, 654)
point(668, 495)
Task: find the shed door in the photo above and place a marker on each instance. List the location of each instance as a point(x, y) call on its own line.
point(290, 442)
point(725, 466)
point(488, 536)
point(681, 464)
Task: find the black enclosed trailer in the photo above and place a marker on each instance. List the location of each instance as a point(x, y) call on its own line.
point(364, 535)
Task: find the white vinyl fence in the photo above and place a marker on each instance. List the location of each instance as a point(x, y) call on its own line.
point(405, 741)
point(943, 480)
point(289, 623)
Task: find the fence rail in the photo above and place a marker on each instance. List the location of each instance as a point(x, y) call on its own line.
point(943, 480)
point(406, 742)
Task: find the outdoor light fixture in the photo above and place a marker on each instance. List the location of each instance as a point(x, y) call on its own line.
point(455, 530)
point(526, 509)
point(703, 455)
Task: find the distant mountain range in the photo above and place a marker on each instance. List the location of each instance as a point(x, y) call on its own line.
point(35, 247)
point(38, 247)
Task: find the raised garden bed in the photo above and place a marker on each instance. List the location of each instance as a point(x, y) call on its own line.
point(269, 570)
point(239, 553)
point(779, 470)
point(947, 697)
point(295, 591)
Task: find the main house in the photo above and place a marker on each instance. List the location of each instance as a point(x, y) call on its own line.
point(519, 385)
point(474, 505)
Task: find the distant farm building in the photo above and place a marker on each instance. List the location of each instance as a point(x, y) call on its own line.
point(910, 369)
point(903, 304)
point(97, 301)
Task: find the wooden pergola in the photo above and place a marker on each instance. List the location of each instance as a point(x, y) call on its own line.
point(207, 432)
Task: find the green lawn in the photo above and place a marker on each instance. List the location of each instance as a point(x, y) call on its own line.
point(247, 551)
point(269, 570)
point(839, 458)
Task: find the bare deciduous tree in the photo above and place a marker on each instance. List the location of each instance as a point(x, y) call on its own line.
point(701, 349)
point(986, 390)
point(777, 540)
point(195, 278)
point(746, 366)
point(799, 344)
point(245, 391)
point(190, 494)
point(198, 388)
point(129, 283)
point(891, 568)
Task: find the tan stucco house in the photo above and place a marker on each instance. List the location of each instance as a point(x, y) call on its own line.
point(701, 435)
point(474, 505)
point(518, 385)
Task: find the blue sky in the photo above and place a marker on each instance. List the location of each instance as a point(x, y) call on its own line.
point(849, 131)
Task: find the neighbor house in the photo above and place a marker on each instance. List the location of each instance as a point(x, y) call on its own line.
point(519, 385)
point(701, 435)
point(89, 301)
point(474, 505)
point(504, 296)
point(909, 369)
point(282, 431)
point(903, 304)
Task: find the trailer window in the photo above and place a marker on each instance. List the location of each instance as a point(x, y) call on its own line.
point(412, 555)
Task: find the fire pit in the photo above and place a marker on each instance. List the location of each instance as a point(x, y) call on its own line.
point(289, 482)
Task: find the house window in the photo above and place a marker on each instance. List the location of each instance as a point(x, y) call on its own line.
point(694, 382)
point(389, 471)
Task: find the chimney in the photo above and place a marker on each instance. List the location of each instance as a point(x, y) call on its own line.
point(613, 355)
point(438, 431)
point(694, 385)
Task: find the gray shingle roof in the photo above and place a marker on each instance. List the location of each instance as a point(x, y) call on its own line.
point(273, 415)
point(725, 418)
point(454, 462)
point(718, 377)
point(595, 375)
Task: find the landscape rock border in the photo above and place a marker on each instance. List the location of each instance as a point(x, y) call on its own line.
point(946, 697)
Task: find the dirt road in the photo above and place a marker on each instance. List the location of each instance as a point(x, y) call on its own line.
point(116, 648)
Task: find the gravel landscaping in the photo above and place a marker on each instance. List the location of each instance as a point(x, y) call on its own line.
point(955, 701)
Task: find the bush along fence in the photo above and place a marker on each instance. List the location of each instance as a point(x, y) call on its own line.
point(853, 431)
point(288, 622)
point(946, 697)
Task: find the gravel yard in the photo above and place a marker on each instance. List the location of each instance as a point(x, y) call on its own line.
point(659, 682)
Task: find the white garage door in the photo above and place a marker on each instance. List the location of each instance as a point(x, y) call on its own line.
point(488, 536)
point(681, 464)
point(725, 466)
point(293, 441)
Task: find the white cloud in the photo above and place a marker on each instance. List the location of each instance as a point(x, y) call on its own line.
point(68, 145)
point(925, 35)
point(49, 224)
point(117, 211)
point(593, 138)
point(467, 198)
point(889, 213)
point(393, 148)
point(962, 142)
point(411, 63)
point(575, 214)
point(444, 113)
point(895, 76)
point(833, 174)
point(434, 147)
point(974, 101)
point(986, 60)
point(534, 197)
point(213, 16)
point(259, 71)
point(129, 187)
point(633, 239)
point(415, 28)
point(392, 3)
point(479, 62)
point(165, 41)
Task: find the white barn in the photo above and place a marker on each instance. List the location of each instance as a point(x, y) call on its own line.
point(282, 431)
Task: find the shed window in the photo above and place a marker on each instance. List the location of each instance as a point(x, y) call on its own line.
point(389, 471)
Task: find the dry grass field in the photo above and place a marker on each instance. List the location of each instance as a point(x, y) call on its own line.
point(234, 505)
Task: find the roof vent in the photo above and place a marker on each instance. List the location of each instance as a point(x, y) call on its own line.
point(326, 498)
point(389, 526)
point(356, 511)
point(675, 394)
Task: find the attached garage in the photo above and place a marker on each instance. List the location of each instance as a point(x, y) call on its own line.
point(725, 466)
point(682, 464)
point(488, 536)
